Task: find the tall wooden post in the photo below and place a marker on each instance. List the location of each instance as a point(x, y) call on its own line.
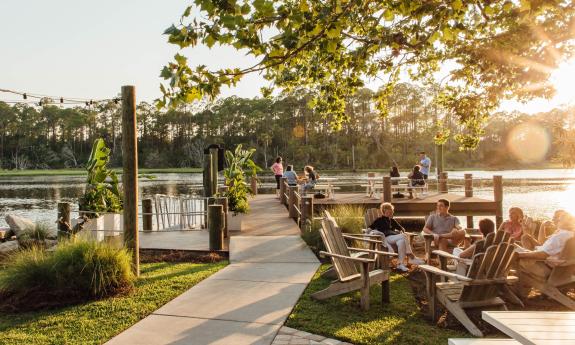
point(439, 158)
point(64, 210)
point(283, 182)
point(130, 174)
point(216, 226)
point(214, 171)
point(386, 189)
point(306, 211)
point(147, 215)
point(224, 202)
point(292, 203)
point(442, 185)
point(469, 193)
point(498, 197)
point(207, 175)
point(254, 185)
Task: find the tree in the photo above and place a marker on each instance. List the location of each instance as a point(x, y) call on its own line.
point(499, 49)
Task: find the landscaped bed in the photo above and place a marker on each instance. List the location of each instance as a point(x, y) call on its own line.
point(399, 322)
point(98, 321)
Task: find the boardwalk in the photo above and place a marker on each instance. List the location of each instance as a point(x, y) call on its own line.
point(248, 301)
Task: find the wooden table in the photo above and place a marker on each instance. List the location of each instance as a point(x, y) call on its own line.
point(535, 327)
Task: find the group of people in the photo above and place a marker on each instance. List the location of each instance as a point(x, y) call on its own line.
point(447, 231)
point(308, 180)
point(418, 175)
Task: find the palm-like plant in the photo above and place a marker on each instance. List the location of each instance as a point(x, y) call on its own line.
point(240, 166)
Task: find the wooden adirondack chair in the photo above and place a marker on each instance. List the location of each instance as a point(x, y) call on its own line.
point(353, 273)
point(562, 276)
point(478, 289)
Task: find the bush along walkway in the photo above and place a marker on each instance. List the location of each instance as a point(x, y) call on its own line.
point(248, 301)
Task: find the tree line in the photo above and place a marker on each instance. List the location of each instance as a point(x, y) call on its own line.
point(33, 137)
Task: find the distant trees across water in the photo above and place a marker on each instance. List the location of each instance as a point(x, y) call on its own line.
point(54, 137)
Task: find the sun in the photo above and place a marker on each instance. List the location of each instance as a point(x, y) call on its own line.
point(563, 79)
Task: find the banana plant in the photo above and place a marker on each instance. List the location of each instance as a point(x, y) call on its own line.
point(240, 166)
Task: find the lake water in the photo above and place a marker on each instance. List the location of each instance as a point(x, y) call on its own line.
point(538, 192)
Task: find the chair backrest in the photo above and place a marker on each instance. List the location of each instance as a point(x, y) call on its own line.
point(492, 264)
point(564, 274)
point(493, 238)
point(335, 244)
point(371, 215)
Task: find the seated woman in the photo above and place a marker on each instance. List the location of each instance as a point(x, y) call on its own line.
point(547, 227)
point(514, 226)
point(394, 173)
point(416, 179)
point(393, 231)
point(312, 177)
point(291, 176)
point(486, 226)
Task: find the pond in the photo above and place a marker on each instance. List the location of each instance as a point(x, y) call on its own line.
point(538, 192)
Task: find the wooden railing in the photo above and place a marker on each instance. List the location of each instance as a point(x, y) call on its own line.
point(300, 208)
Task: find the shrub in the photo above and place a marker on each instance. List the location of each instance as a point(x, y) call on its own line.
point(35, 236)
point(312, 237)
point(349, 218)
point(75, 272)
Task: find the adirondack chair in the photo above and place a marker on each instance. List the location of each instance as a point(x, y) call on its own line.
point(371, 215)
point(353, 273)
point(562, 276)
point(478, 289)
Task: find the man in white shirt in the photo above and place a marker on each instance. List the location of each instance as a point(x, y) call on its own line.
point(425, 164)
point(531, 259)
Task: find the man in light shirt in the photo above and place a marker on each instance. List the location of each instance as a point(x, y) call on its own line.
point(425, 164)
point(444, 227)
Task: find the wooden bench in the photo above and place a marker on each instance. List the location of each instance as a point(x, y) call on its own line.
point(328, 189)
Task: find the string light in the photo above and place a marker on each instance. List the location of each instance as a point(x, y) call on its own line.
point(46, 100)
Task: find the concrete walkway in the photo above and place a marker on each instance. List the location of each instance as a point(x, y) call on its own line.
point(248, 301)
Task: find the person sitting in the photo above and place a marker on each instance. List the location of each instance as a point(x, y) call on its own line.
point(486, 226)
point(547, 227)
point(531, 258)
point(444, 227)
point(514, 226)
point(394, 235)
point(290, 176)
point(312, 177)
point(394, 174)
point(416, 179)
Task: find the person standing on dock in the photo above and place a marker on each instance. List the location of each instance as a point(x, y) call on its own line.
point(278, 170)
point(425, 163)
point(444, 227)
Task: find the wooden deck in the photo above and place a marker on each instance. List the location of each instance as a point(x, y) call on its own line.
point(460, 205)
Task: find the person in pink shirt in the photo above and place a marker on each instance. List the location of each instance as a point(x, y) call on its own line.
point(278, 170)
point(514, 226)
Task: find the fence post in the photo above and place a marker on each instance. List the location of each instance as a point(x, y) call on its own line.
point(498, 197)
point(283, 191)
point(306, 211)
point(215, 219)
point(147, 214)
point(213, 170)
point(224, 203)
point(254, 185)
point(292, 203)
point(386, 189)
point(130, 174)
point(442, 185)
point(469, 193)
point(64, 210)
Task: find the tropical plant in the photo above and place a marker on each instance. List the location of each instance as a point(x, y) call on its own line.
point(102, 190)
point(75, 271)
point(240, 166)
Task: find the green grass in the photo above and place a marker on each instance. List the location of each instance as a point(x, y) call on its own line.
point(96, 322)
point(399, 322)
point(76, 172)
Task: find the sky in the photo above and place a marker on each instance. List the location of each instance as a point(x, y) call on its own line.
point(89, 49)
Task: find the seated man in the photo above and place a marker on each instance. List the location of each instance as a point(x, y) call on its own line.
point(529, 242)
point(531, 258)
point(486, 226)
point(444, 227)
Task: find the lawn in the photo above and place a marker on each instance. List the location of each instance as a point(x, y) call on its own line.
point(399, 322)
point(96, 322)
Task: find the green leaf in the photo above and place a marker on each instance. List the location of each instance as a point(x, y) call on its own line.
point(180, 59)
point(193, 94)
point(331, 46)
point(166, 73)
point(388, 15)
point(333, 33)
point(246, 9)
point(447, 33)
point(457, 5)
point(187, 11)
point(210, 41)
point(303, 6)
point(489, 10)
point(525, 5)
point(507, 6)
point(436, 35)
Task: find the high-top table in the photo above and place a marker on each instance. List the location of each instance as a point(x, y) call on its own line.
point(535, 327)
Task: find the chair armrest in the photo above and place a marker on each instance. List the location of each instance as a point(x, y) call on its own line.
point(428, 236)
point(361, 239)
point(371, 251)
point(410, 233)
point(322, 254)
point(435, 270)
point(360, 235)
point(558, 262)
point(453, 257)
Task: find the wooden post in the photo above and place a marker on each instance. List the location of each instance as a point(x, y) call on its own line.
point(64, 210)
point(283, 182)
point(386, 189)
point(442, 185)
point(214, 170)
point(130, 174)
point(498, 197)
point(147, 214)
point(216, 226)
point(439, 155)
point(469, 193)
point(207, 175)
point(224, 203)
point(254, 185)
point(306, 211)
point(292, 203)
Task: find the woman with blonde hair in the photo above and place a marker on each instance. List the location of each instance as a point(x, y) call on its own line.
point(394, 235)
point(516, 223)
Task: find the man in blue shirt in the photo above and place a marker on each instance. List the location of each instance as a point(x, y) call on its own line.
point(425, 164)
